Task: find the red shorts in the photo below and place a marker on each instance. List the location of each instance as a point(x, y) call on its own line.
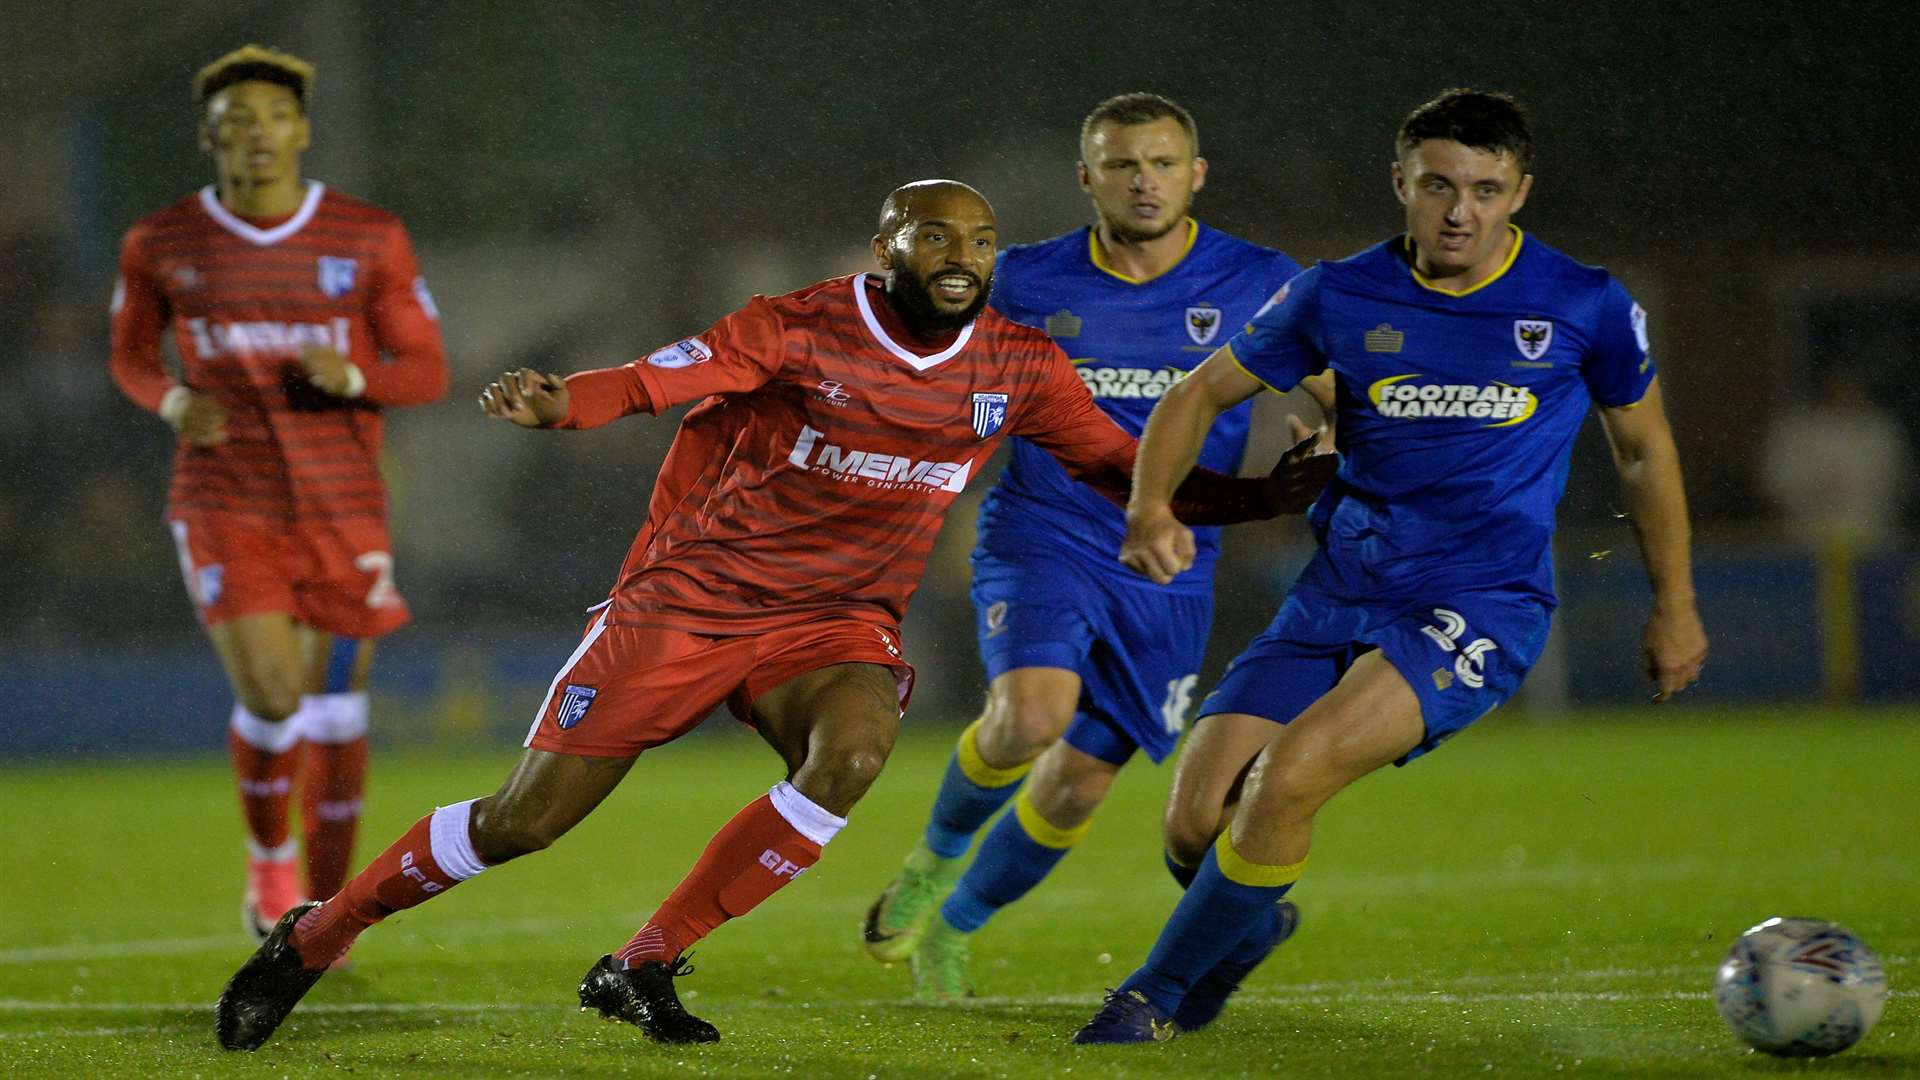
point(630, 688)
point(336, 577)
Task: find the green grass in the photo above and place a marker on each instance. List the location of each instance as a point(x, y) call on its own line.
point(1532, 899)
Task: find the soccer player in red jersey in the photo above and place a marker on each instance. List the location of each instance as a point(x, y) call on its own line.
point(298, 314)
point(789, 526)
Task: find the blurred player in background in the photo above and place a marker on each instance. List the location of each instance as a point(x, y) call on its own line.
point(1468, 355)
point(299, 314)
point(1087, 661)
point(788, 528)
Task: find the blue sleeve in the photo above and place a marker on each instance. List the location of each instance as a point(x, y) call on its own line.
point(1618, 367)
point(1281, 346)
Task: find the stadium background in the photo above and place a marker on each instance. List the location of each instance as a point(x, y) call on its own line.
point(586, 182)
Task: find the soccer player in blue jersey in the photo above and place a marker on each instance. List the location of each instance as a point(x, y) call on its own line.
point(1087, 661)
point(1467, 355)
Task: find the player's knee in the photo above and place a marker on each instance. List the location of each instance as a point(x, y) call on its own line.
point(1188, 833)
point(1296, 780)
point(499, 834)
point(1069, 801)
point(1019, 727)
point(853, 770)
point(269, 698)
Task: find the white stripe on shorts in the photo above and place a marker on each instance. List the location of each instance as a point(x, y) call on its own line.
point(593, 635)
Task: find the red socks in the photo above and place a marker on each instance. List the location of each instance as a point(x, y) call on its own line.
point(432, 857)
point(331, 786)
point(764, 847)
point(265, 756)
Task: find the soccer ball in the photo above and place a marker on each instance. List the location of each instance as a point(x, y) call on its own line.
point(1800, 988)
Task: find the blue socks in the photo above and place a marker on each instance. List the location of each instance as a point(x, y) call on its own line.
point(1019, 851)
point(970, 793)
point(1228, 898)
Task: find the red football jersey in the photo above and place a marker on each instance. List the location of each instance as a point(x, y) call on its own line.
point(244, 297)
point(815, 477)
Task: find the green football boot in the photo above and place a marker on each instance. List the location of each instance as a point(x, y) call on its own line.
point(940, 964)
point(896, 921)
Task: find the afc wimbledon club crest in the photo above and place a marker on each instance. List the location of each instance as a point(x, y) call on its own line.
point(1203, 324)
point(573, 705)
point(989, 412)
point(336, 275)
point(1533, 337)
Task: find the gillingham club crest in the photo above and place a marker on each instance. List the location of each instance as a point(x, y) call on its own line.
point(336, 275)
point(989, 412)
point(573, 706)
point(1203, 324)
point(1533, 337)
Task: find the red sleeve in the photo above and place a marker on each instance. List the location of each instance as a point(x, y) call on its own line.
point(1067, 424)
point(139, 318)
point(736, 355)
point(1099, 453)
point(406, 327)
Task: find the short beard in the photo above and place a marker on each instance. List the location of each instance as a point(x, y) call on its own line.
point(913, 298)
point(1126, 235)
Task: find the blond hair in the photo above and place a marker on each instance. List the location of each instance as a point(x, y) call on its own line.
point(254, 62)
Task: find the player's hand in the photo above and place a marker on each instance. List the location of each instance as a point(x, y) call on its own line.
point(527, 397)
point(1302, 471)
point(1157, 545)
point(202, 421)
point(1673, 649)
point(327, 370)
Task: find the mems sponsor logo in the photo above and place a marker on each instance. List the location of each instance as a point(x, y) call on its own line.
point(812, 451)
point(1502, 404)
point(1129, 382)
point(216, 339)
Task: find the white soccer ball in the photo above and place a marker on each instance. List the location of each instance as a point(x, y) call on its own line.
point(1800, 988)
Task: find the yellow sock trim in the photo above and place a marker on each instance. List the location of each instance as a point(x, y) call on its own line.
point(1238, 869)
point(1044, 832)
point(975, 768)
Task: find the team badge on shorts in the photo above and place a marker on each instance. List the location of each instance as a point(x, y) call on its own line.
point(989, 412)
point(207, 583)
point(573, 706)
point(1203, 324)
point(336, 275)
point(1533, 337)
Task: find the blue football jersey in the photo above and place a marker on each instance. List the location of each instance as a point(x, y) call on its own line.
point(1129, 340)
point(1457, 411)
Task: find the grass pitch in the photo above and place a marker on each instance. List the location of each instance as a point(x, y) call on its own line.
point(1533, 899)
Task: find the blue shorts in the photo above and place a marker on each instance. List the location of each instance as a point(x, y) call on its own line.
point(1137, 646)
point(1464, 655)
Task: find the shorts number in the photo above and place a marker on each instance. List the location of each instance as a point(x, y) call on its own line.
point(380, 565)
point(1179, 700)
point(1471, 665)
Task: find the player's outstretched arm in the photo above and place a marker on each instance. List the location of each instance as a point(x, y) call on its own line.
point(1675, 643)
point(527, 397)
point(1157, 544)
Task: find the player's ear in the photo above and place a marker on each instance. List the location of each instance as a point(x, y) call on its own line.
point(1399, 186)
point(1085, 177)
point(305, 139)
point(1520, 195)
point(880, 253)
point(1199, 173)
point(204, 135)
